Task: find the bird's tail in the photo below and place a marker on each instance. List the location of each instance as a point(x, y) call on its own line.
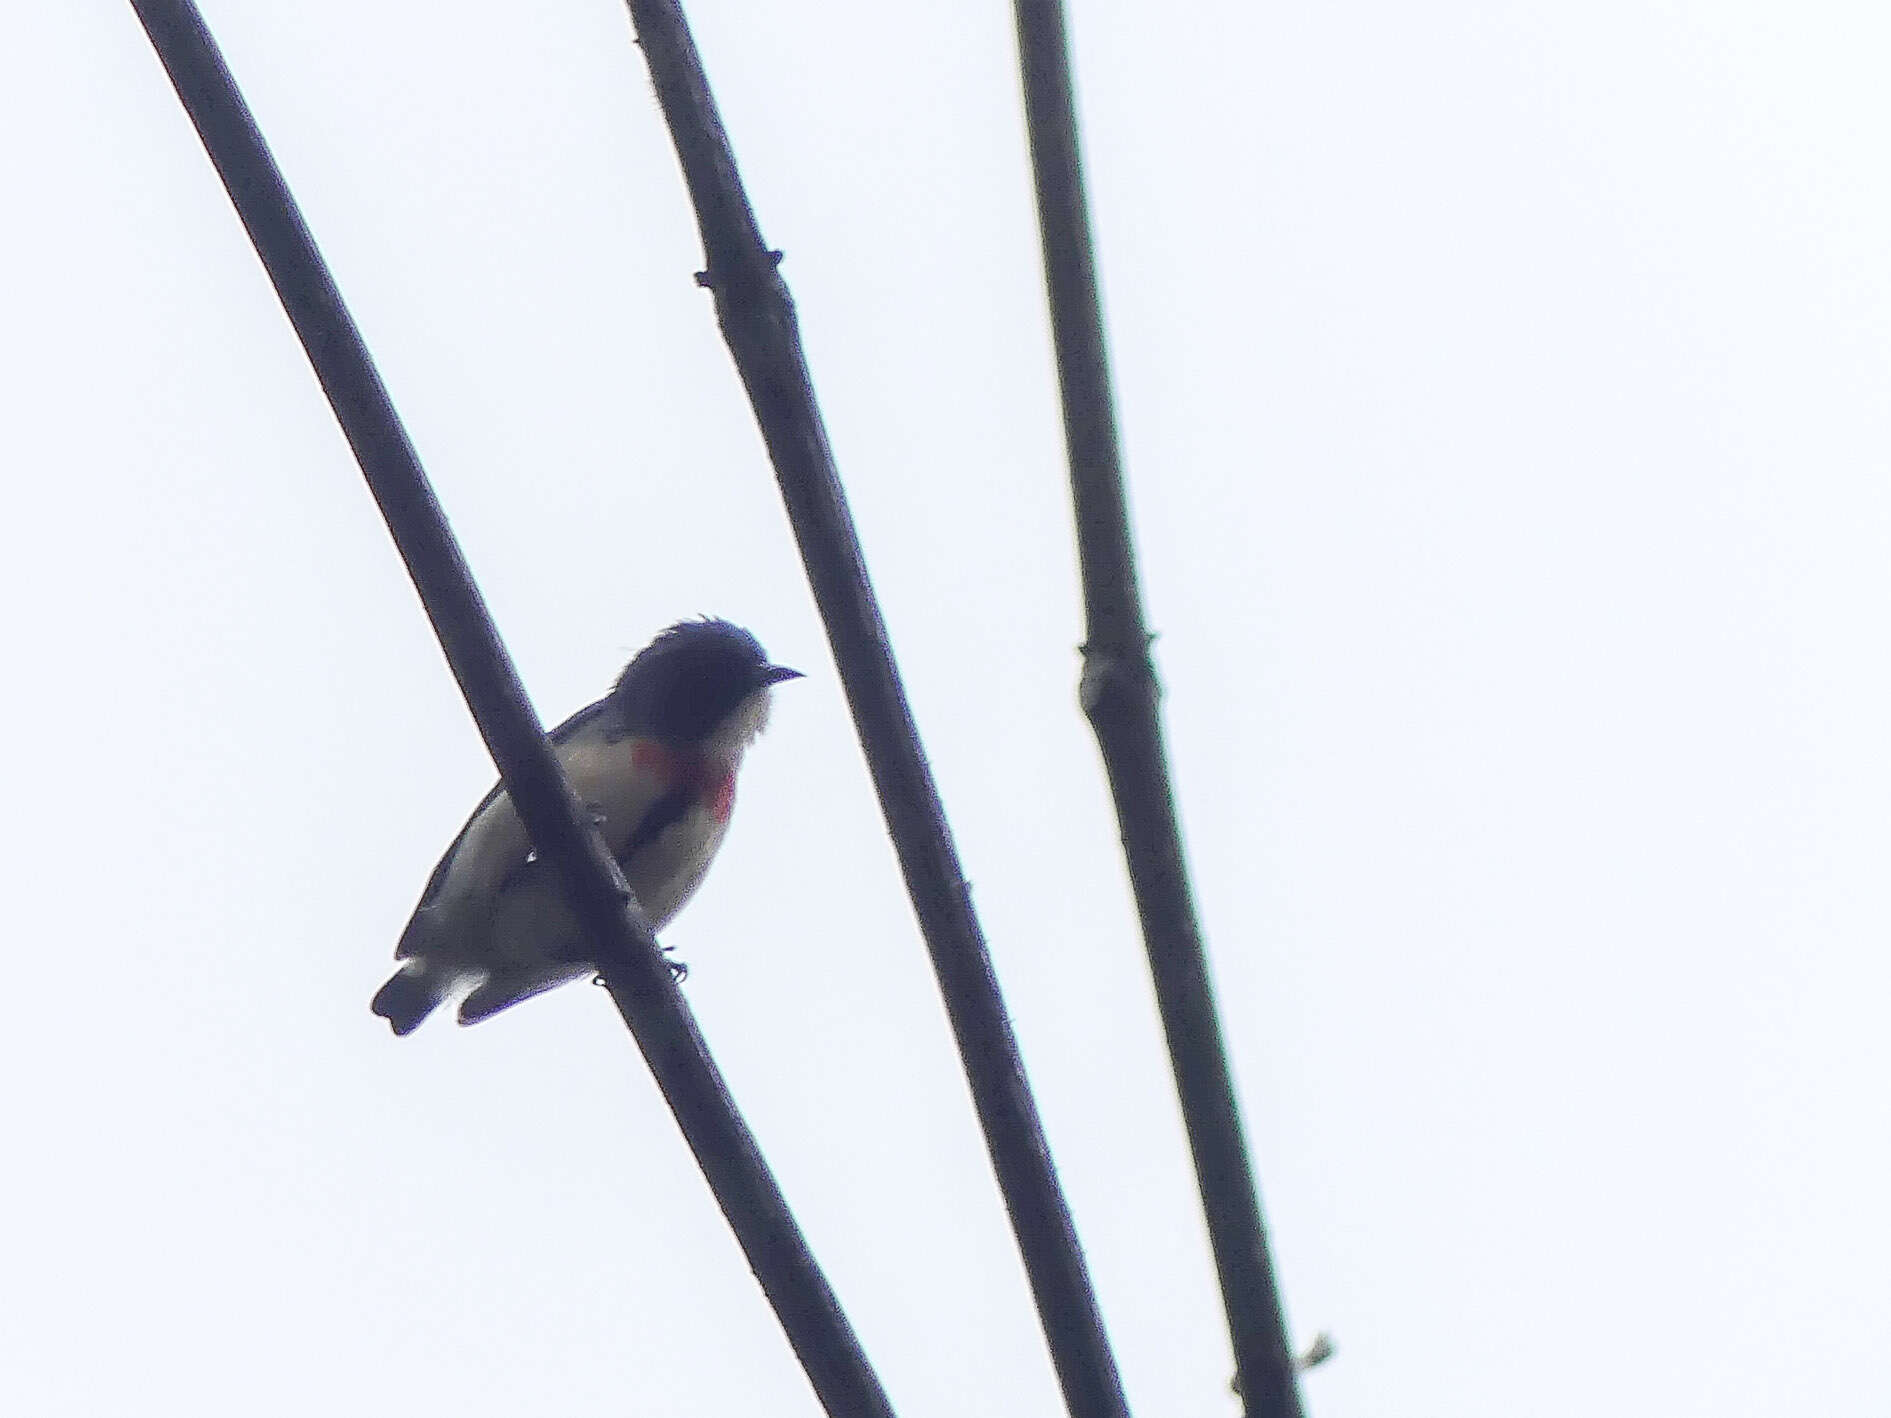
point(411, 994)
point(504, 988)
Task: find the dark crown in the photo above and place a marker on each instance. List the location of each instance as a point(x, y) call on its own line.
point(684, 684)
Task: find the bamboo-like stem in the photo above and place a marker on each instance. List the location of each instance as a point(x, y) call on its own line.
point(561, 829)
point(1119, 694)
point(758, 322)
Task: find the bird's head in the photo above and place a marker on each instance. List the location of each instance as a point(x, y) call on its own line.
point(700, 684)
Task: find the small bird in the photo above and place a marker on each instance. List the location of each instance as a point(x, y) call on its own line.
point(655, 760)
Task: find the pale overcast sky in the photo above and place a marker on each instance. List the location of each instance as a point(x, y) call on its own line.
point(1504, 394)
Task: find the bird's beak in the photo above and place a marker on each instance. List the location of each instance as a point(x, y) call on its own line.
point(775, 674)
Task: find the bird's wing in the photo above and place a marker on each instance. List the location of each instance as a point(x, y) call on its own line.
point(567, 739)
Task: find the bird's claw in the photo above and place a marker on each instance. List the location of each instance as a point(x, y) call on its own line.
point(679, 971)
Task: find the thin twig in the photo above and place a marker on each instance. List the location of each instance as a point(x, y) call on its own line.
point(560, 827)
point(1120, 695)
point(758, 321)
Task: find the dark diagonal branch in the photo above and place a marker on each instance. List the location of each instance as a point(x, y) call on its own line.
point(560, 827)
point(758, 321)
point(1120, 694)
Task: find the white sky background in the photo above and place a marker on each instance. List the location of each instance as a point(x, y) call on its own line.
point(1504, 393)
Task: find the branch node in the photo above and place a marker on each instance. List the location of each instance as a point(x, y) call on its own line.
point(1112, 678)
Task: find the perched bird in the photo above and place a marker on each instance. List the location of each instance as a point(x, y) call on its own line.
point(655, 760)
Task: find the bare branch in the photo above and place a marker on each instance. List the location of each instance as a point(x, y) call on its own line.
point(1120, 695)
point(758, 321)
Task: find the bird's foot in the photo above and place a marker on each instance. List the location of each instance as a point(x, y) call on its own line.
point(678, 970)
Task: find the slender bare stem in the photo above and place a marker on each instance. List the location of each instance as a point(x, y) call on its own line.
point(1120, 695)
point(758, 321)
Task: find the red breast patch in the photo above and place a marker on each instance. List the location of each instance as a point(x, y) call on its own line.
point(722, 797)
point(711, 785)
